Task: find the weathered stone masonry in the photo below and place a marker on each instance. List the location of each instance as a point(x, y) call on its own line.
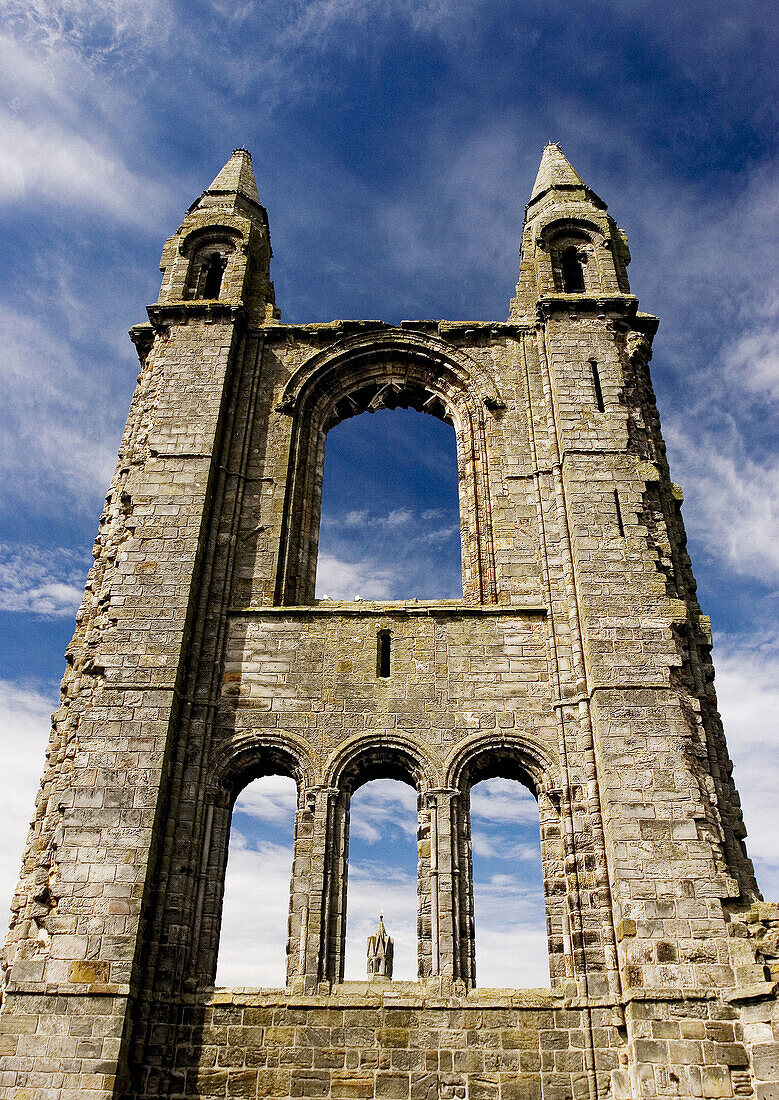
point(578, 661)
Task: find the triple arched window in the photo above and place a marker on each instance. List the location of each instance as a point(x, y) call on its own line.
point(489, 852)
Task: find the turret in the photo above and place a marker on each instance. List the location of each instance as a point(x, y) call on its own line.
point(570, 245)
point(381, 949)
point(222, 251)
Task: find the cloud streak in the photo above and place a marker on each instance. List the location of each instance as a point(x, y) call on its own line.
point(748, 695)
point(25, 722)
point(40, 581)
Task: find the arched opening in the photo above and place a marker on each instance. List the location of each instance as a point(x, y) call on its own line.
point(390, 519)
point(255, 907)
point(390, 371)
point(572, 270)
point(213, 270)
point(382, 875)
point(508, 889)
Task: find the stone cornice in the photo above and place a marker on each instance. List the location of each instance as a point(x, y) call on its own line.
point(164, 314)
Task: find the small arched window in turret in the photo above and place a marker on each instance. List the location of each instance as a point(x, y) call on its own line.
point(572, 270)
point(213, 270)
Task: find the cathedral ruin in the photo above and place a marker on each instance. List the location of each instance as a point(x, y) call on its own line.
point(577, 661)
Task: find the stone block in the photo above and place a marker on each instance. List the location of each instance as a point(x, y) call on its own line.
point(349, 1086)
point(392, 1086)
point(765, 1061)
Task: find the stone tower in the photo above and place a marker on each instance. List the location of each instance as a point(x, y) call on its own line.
point(578, 661)
point(381, 949)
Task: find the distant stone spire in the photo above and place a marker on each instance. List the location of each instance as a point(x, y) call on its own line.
point(556, 173)
point(381, 948)
point(237, 177)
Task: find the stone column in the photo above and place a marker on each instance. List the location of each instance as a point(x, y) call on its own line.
point(301, 889)
point(317, 926)
point(441, 803)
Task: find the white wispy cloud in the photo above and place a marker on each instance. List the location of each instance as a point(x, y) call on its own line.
point(381, 805)
point(42, 160)
point(503, 846)
point(59, 120)
point(25, 722)
point(273, 798)
point(399, 554)
point(321, 22)
point(252, 946)
point(510, 955)
point(98, 30)
point(751, 360)
point(747, 685)
point(731, 500)
point(41, 581)
point(49, 448)
point(342, 580)
point(362, 518)
point(503, 800)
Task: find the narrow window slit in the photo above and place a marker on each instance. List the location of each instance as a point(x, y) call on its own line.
point(384, 654)
point(618, 510)
point(597, 386)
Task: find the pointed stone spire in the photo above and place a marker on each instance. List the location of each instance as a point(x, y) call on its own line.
point(237, 177)
point(564, 212)
point(227, 226)
point(381, 949)
point(556, 173)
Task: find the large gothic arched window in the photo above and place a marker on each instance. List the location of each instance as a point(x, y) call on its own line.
point(396, 374)
point(390, 521)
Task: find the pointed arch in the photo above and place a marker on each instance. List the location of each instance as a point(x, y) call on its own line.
point(389, 369)
point(361, 759)
point(535, 766)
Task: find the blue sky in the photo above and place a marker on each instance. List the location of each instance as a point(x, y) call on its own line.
point(395, 145)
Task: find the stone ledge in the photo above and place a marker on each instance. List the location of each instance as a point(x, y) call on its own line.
point(58, 989)
point(393, 995)
point(673, 993)
point(758, 991)
point(447, 330)
point(403, 607)
point(164, 314)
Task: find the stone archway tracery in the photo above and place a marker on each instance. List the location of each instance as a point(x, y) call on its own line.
point(366, 373)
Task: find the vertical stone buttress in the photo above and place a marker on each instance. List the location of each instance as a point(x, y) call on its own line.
point(660, 777)
point(578, 662)
point(74, 955)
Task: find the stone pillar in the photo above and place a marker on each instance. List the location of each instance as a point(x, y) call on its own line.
point(302, 889)
point(318, 894)
point(441, 803)
point(462, 874)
